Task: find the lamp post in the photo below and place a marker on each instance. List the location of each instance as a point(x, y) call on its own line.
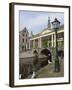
point(56, 25)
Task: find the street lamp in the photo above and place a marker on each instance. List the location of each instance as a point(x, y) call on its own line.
point(56, 25)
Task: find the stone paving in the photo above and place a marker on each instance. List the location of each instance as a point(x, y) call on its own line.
point(48, 71)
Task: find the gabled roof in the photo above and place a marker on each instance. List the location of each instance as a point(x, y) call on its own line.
point(24, 30)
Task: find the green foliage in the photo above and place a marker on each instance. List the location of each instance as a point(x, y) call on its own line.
point(45, 43)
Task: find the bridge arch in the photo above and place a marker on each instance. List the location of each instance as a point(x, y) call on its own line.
point(35, 52)
point(47, 53)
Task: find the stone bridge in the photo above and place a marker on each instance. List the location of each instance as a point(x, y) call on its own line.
point(40, 49)
point(45, 51)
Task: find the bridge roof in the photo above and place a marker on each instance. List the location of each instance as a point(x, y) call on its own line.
point(46, 31)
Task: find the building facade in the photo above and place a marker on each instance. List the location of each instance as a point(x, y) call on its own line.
point(23, 39)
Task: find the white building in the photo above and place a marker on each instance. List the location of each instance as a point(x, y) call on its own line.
point(46, 38)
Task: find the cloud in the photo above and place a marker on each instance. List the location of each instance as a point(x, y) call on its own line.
point(39, 20)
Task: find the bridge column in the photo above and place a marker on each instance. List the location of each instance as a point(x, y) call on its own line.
point(39, 43)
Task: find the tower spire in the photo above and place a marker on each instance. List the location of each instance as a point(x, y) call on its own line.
point(31, 33)
point(49, 24)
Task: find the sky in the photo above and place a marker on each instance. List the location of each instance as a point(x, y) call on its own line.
point(36, 21)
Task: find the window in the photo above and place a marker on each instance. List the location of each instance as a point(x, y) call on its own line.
point(26, 35)
point(26, 40)
point(23, 34)
point(23, 40)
